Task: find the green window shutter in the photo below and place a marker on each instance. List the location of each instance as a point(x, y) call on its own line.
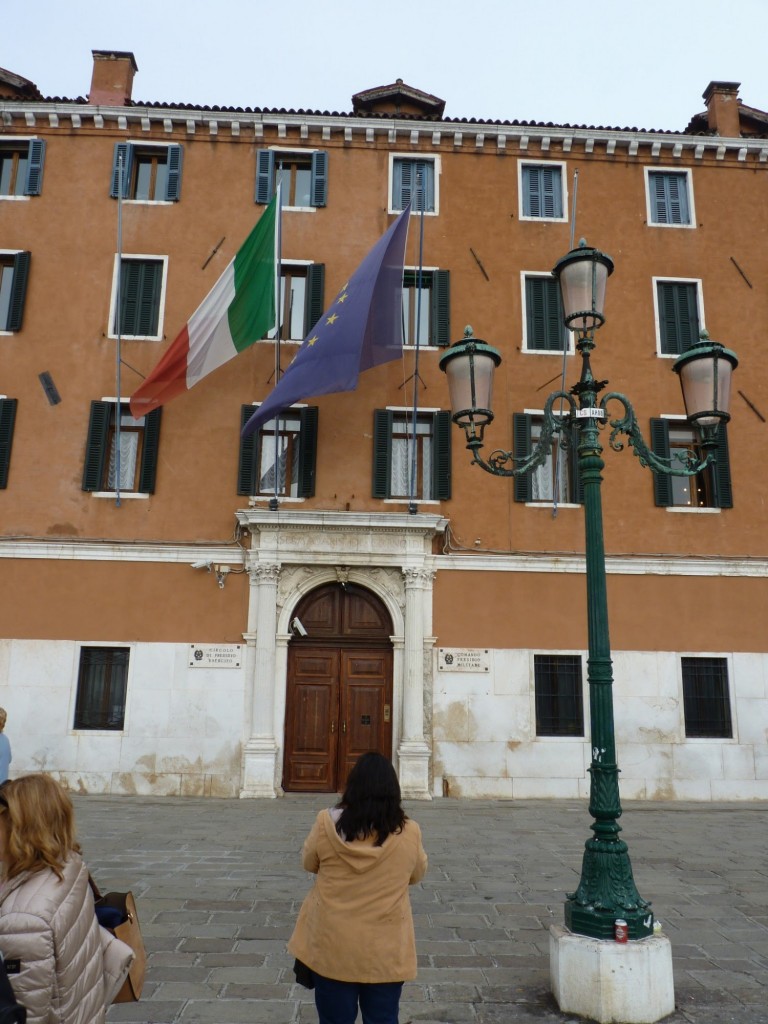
point(678, 316)
point(401, 183)
point(96, 445)
point(148, 472)
point(141, 284)
point(265, 175)
point(248, 459)
point(542, 192)
point(544, 315)
point(124, 149)
point(34, 183)
point(382, 452)
point(669, 198)
point(721, 471)
point(173, 184)
point(319, 194)
point(15, 319)
point(307, 451)
point(7, 421)
point(441, 430)
point(441, 308)
point(314, 296)
point(521, 441)
point(424, 186)
point(662, 484)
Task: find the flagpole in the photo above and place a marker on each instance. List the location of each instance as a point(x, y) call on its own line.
point(118, 305)
point(412, 509)
point(273, 501)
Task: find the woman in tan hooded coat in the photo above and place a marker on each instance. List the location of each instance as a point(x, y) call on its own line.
point(355, 928)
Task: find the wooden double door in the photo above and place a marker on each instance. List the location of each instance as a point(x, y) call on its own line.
point(339, 698)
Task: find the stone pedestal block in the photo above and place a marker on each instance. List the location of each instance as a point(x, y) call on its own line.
point(609, 981)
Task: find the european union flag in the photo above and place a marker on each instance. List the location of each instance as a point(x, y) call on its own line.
point(362, 328)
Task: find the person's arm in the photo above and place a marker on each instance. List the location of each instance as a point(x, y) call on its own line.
point(29, 939)
point(420, 868)
point(310, 858)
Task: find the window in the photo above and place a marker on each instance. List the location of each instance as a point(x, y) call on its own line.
point(544, 327)
point(102, 683)
point(150, 172)
point(426, 307)
point(7, 422)
point(413, 181)
point(393, 454)
point(136, 455)
point(542, 191)
point(558, 686)
point(14, 272)
point(558, 476)
point(139, 298)
point(290, 443)
point(706, 701)
point(303, 175)
point(677, 309)
point(669, 198)
point(302, 288)
point(709, 489)
point(21, 167)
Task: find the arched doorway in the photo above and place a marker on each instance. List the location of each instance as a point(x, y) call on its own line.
point(339, 687)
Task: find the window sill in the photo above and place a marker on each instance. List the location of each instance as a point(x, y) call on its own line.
point(407, 501)
point(300, 209)
point(570, 739)
point(414, 213)
point(546, 351)
point(546, 220)
point(693, 508)
point(549, 504)
point(151, 202)
point(135, 337)
point(263, 499)
point(123, 494)
point(654, 224)
point(15, 198)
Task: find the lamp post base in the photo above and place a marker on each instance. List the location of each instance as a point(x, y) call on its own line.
point(606, 981)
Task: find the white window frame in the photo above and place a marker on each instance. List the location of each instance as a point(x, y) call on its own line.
point(563, 184)
point(255, 500)
point(147, 144)
point(422, 345)
point(123, 494)
point(434, 159)
point(709, 510)
point(407, 410)
point(301, 152)
point(549, 502)
point(570, 343)
point(656, 318)
point(156, 258)
point(648, 171)
point(13, 140)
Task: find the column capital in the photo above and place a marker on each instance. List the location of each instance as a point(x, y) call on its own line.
point(264, 572)
point(418, 577)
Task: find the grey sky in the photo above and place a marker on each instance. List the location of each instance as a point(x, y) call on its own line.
point(628, 64)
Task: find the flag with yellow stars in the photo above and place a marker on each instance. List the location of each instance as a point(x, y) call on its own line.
point(361, 328)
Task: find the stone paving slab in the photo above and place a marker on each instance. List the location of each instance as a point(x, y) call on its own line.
point(219, 885)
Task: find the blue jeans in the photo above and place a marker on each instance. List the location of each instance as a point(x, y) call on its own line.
point(337, 1001)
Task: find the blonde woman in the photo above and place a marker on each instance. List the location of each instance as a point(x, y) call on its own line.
point(47, 917)
point(5, 747)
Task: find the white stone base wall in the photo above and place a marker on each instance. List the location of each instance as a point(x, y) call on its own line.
point(485, 743)
point(183, 726)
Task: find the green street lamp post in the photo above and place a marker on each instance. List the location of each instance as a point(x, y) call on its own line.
point(606, 890)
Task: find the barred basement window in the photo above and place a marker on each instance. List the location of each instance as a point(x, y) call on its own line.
point(706, 700)
point(559, 708)
point(101, 688)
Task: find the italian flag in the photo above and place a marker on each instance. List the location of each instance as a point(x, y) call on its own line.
point(239, 309)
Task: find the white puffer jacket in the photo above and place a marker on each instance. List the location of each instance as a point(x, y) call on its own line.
point(50, 925)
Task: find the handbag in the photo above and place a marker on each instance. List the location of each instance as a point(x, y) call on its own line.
point(304, 975)
point(116, 911)
point(11, 1012)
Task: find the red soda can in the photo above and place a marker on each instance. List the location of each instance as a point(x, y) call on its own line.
point(620, 930)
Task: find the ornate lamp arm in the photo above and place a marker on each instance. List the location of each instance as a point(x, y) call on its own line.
point(684, 462)
point(501, 463)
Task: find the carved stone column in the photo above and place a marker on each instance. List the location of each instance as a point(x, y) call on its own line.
point(260, 750)
point(414, 751)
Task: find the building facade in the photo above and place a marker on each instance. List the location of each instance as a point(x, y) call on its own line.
point(188, 613)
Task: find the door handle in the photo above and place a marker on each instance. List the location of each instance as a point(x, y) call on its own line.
point(333, 727)
point(344, 726)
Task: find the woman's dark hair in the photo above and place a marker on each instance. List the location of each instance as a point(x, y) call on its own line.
point(371, 802)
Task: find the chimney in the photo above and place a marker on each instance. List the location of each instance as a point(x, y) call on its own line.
point(112, 80)
point(722, 100)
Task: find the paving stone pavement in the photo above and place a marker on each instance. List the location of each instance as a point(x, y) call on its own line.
point(219, 884)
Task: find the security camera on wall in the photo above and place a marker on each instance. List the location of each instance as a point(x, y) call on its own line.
point(201, 565)
point(297, 627)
